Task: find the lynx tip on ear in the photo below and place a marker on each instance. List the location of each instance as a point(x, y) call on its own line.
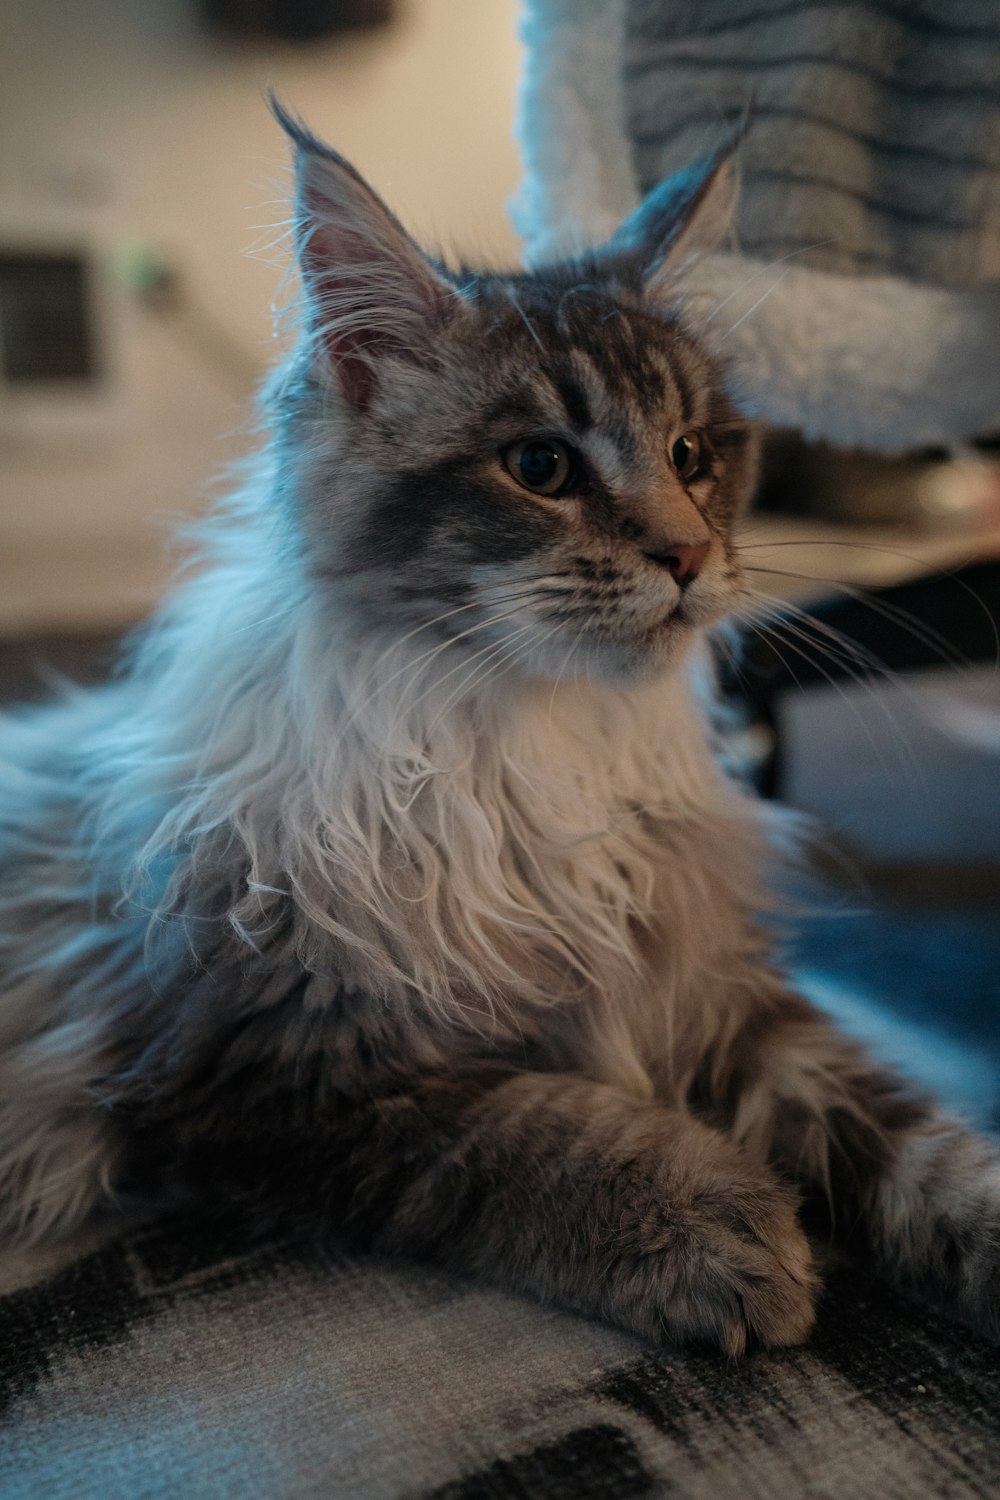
point(299, 133)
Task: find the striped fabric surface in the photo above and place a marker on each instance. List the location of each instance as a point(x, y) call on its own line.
point(184, 1364)
point(875, 146)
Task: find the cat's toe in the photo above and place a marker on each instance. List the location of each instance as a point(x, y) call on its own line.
point(758, 1284)
point(777, 1308)
point(732, 1268)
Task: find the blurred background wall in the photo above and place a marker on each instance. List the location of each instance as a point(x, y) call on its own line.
point(134, 133)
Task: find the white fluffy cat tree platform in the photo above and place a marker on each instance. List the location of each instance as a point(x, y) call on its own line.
point(859, 299)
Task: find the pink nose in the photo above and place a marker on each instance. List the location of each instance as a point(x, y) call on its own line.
point(683, 561)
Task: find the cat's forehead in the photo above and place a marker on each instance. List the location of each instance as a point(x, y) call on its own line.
point(581, 350)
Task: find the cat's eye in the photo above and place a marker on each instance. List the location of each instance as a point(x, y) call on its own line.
point(542, 465)
point(686, 455)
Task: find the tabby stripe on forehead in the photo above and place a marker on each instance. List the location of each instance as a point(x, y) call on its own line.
point(684, 391)
point(574, 399)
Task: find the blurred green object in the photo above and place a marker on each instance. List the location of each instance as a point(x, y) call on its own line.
point(142, 269)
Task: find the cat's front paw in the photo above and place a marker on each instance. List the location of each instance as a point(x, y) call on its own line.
point(730, 1266)
point(967, 1270)
point(936, 1222)
point(981, 1304)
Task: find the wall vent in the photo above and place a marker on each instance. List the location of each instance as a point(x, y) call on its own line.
point(46, 319)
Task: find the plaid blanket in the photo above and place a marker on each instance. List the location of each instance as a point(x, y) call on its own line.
point(178, 1362)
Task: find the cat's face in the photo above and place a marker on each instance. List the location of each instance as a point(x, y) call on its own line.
point(542, 469)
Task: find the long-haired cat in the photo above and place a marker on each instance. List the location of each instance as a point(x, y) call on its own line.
point(393, 888)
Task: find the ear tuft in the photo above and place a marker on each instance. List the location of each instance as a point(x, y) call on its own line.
point(300, 135)
point(687, 214)
point(370, 292)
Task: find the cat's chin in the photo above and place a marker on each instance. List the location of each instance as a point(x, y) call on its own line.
point(621, 663)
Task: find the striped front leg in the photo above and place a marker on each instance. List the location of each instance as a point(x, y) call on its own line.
point(918, 1190)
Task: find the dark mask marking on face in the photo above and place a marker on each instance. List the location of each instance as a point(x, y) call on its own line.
point(631, 530)
point(455, 508)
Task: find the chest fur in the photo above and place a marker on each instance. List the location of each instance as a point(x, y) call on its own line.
point(579, 870)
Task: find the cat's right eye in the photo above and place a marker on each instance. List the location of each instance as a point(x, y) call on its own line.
point(686, 456)
point(542, 465)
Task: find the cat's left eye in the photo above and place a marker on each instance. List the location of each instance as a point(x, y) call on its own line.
point(686, 455)
point(542, 465)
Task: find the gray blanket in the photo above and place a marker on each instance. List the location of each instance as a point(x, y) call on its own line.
point(181, 1363)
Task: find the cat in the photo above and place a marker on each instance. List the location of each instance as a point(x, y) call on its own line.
point(393, 888)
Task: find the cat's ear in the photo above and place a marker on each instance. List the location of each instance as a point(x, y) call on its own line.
point(679, 219)
point(370, 291)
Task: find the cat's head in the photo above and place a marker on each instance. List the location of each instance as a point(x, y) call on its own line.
point(542, 467)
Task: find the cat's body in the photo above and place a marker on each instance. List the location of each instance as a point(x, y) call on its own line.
point(394, 887)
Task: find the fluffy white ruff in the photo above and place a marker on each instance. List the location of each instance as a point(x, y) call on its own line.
point(479, 851)
point(874, 362)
